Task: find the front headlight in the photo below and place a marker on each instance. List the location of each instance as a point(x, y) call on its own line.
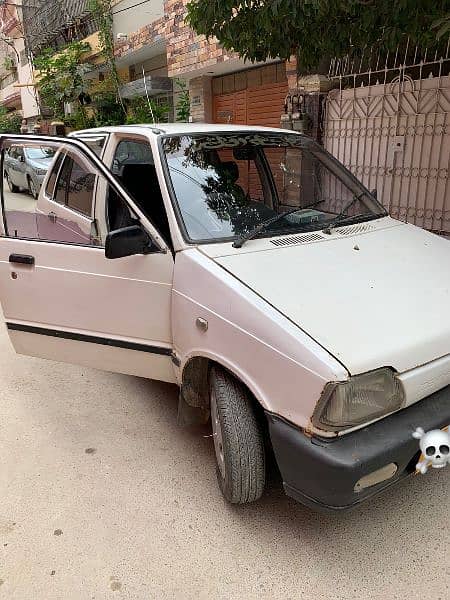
point(358, 400)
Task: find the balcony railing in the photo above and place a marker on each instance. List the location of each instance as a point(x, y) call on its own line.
point(152, 85)
point(7, 79)
point(10, 96)
point(55, 24)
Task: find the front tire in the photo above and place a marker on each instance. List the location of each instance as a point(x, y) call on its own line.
point(12, 188)
point(238, 439)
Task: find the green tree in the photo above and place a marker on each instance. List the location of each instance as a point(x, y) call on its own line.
point(141, 110)
point(183, 105)
point(102, 14)
point(316, 29)
point(106, 109)
point(9, 122)
point(60, 77)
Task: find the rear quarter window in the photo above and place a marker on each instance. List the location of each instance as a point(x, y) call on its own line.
point(96, 144)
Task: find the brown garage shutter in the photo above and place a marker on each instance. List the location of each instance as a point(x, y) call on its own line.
point(265, 104)
point(261, 105)
point(231, 108)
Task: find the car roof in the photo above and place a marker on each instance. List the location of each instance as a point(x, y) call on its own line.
point(177, 129)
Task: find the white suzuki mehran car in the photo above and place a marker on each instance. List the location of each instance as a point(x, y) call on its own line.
point(249, 267)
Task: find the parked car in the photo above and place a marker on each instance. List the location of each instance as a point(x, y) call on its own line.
point(252, 269)
point(25, 168)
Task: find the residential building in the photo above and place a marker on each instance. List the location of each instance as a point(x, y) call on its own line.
point(141, 50)
point(389, 125)
point(17, 92)
point(53, 25)
point(222, 87)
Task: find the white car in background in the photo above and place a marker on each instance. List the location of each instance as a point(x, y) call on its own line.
point(249, 267)
point(25, 168)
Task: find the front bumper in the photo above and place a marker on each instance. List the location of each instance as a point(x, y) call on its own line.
point(322, 473)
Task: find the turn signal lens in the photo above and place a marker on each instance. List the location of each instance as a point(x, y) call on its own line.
point(358, 400)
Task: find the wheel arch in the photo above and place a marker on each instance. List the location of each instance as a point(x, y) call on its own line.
point(194, 379)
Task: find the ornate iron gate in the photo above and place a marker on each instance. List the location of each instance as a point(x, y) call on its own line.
point(390, 126)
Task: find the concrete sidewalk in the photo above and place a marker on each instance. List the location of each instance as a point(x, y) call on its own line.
point(102, 496)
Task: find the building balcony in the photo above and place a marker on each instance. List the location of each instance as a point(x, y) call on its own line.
point(151, 84)
point(10, 96)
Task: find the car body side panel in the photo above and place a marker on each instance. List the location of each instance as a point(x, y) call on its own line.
point(75, 289)
point(87, 279)
point(113, 359)
point(284, 368)
point(426, 379)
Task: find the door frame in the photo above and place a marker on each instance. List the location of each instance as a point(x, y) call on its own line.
point(100, 166)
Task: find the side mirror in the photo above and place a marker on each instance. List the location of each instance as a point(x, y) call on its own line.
point(21, 158)
point(374, 192)
point(127, 242)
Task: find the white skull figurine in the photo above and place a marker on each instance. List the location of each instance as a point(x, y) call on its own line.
point(435, 446)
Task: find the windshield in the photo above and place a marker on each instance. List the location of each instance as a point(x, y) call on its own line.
point(39, 153)
point(226, 184)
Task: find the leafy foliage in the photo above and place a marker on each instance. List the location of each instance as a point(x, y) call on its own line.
point(316, 29)
point(139, 111)
point(102, 13)
point(183, 106)
point(9, 122)
point(9, 63)
point(107, 109)
point(60, 77)
point(442, 27)
point(80, 119)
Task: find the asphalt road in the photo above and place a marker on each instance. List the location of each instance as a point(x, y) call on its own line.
point(103, 496)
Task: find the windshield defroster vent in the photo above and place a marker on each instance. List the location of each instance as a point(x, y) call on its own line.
point(298, 239)
point(353, 229)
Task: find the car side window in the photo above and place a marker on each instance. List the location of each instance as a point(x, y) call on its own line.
point(134, 165)
point(19, 153)
point(80, 189)
point(131, 151)
point(60, 193)
point(96, 144)
point(75, 187)
point(65, 212)
point(50, 187)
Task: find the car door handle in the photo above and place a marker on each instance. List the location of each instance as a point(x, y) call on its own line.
point(52, 216)
point(22, 259)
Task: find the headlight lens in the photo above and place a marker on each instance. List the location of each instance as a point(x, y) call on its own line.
point(360, 399)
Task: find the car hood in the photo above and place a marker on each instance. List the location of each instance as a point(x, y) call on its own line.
point(372, 295)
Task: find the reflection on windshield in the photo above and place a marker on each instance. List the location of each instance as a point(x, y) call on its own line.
point(39, 153)
point(226, 185)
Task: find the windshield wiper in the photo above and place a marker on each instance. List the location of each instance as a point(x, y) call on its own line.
point(341, 216)
point(254, 232)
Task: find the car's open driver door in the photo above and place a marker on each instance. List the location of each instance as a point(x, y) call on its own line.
point(62, 299)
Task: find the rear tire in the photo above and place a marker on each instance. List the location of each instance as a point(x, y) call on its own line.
point(12, 188)
point(238, 439)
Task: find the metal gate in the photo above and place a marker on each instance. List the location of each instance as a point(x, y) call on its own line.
point(390, 126)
